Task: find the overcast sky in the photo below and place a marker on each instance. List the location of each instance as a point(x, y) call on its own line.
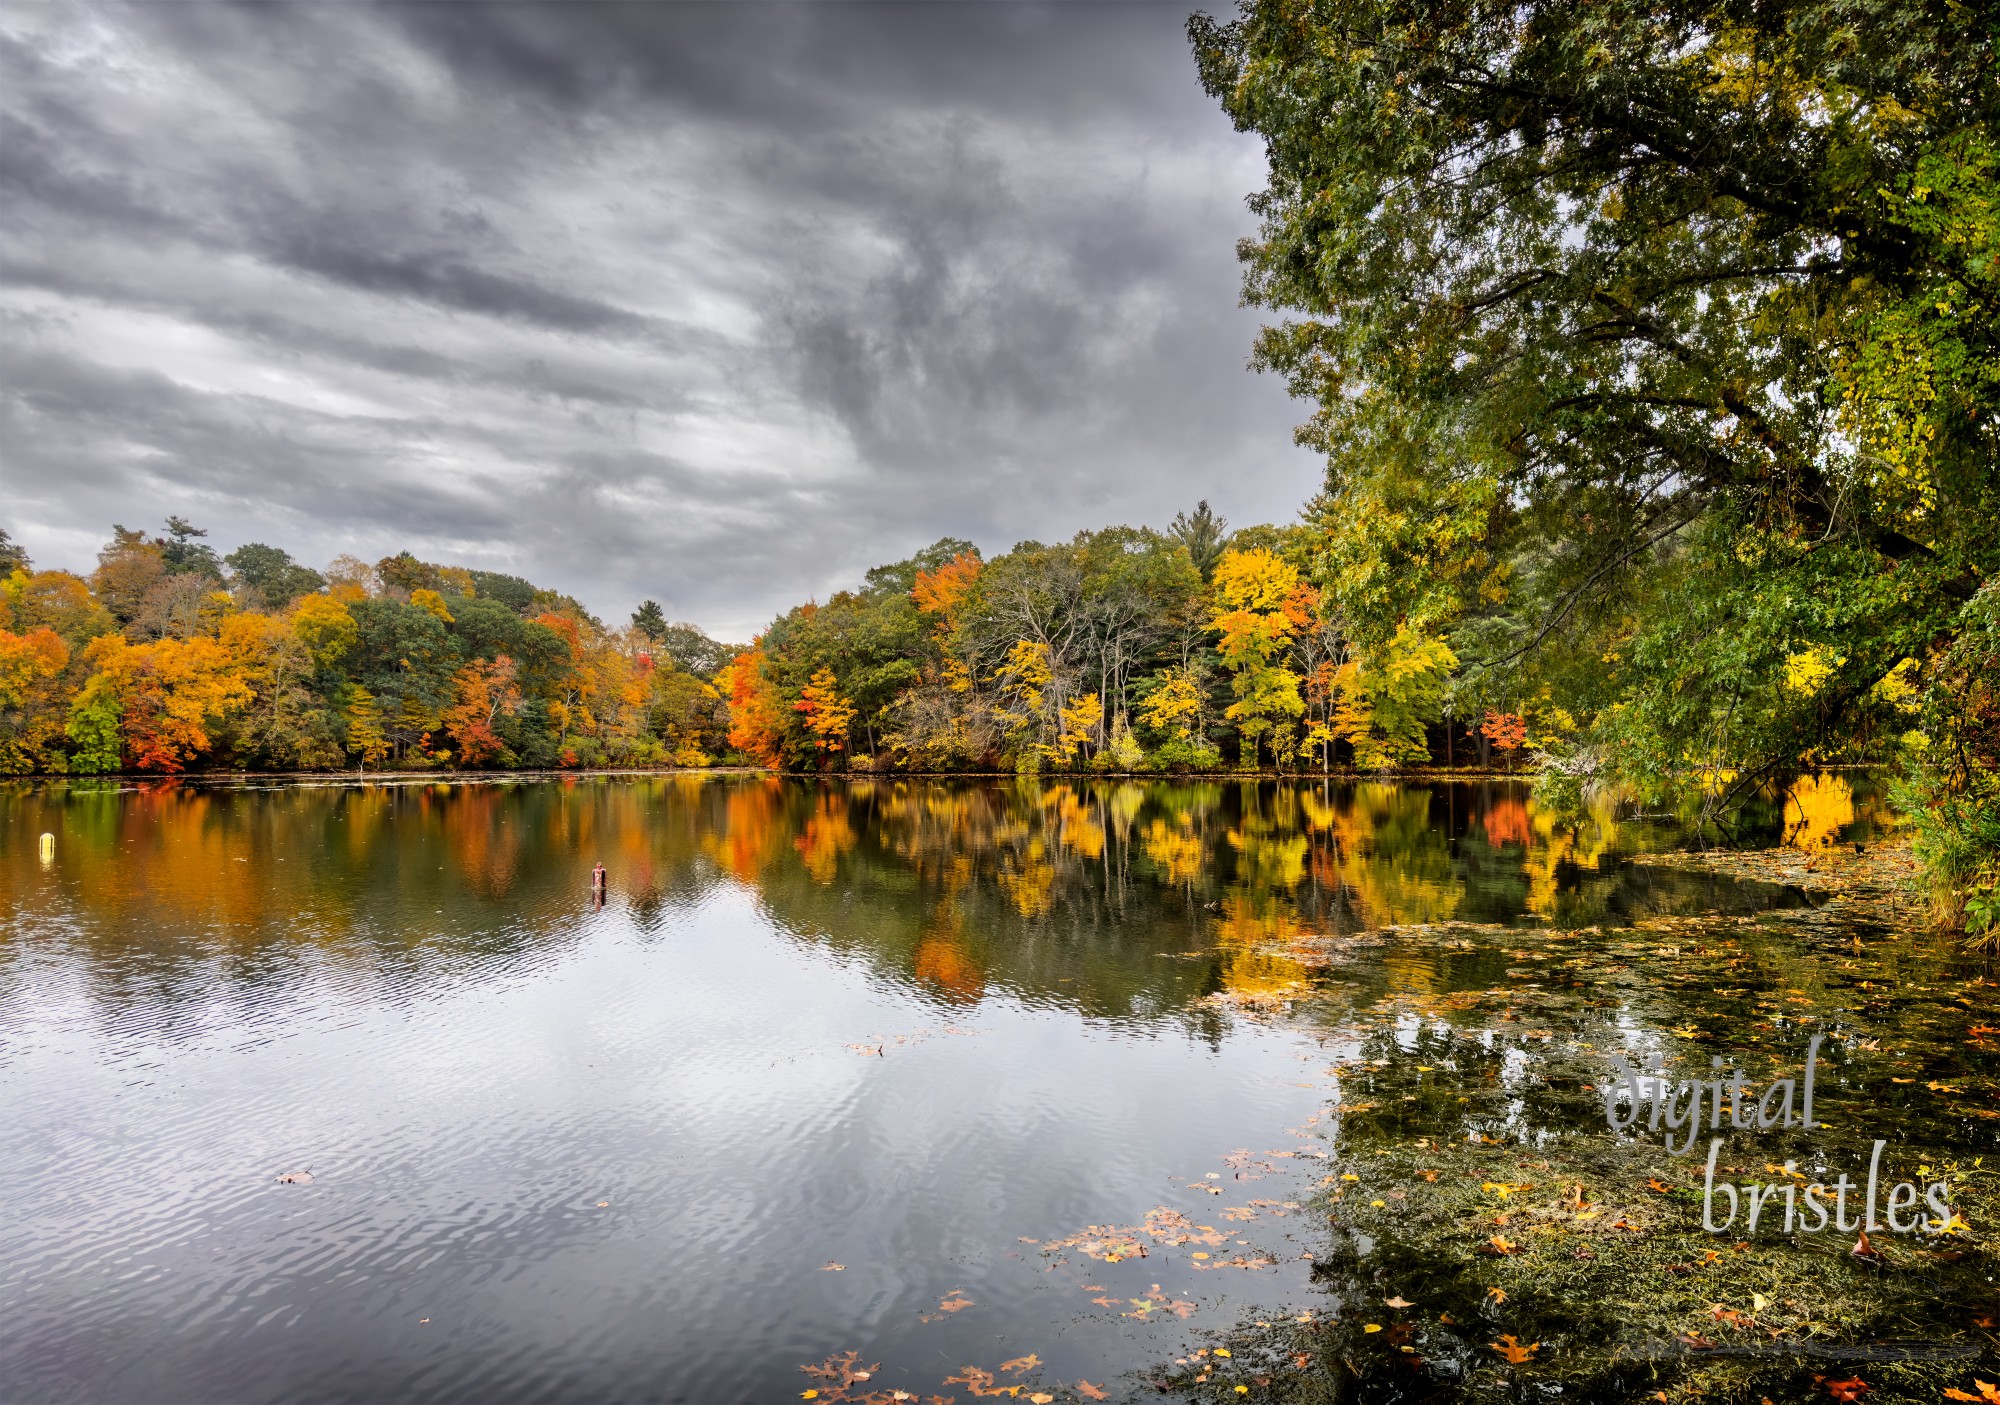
point(719, 304)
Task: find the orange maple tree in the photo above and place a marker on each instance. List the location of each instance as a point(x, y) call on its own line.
point(756, 711)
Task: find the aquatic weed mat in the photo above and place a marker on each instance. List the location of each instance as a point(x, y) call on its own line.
point(1489, 1237)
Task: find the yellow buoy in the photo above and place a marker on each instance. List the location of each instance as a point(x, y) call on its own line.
point(48, 848)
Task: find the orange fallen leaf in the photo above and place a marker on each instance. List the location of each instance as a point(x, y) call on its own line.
point(1512, 1351)
point(1021, 1365)
point(831, 1267)
point(1398, 1301)
point(1092, 1392)
point(1499, 1295)
point(1989, 1393)
point(1849, 1390)
point(1041, 1397)
point(981, 1383)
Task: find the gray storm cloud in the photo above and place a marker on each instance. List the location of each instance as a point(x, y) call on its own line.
point(714, 304)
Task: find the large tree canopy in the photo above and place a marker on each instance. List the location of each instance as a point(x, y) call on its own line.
point(1653, 350)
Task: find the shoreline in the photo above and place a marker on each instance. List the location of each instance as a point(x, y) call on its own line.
point(598, 772)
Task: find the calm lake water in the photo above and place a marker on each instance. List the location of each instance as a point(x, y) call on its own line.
point(932, 1033)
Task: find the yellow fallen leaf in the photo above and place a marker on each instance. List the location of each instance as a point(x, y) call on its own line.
point(1201, 1256)
point(1372, 1327)
point(1041, 1398)
point(1222, 1351)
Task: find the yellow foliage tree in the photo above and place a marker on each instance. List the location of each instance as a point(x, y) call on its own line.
point(31, 719)
point(827, 715)
point(1260, 604)
point(1175, 707)
point(365, 735)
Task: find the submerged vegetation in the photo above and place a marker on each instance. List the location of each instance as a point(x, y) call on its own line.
point(1493, 1238)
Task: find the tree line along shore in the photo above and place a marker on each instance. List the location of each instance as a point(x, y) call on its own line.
point(1124, 650)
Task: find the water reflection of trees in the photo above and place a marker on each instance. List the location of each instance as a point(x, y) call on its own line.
point(1117, 897)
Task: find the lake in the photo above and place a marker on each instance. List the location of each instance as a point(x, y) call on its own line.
point(1035, 1079)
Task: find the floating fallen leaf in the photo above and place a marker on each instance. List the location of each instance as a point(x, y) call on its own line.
point(1041, 1398)
point(1512, 1351)
point(841, 1371)
point(1091, 1392)
point(296, 1178)
point(1989, 1393)
point(1499, 1295)
point(954, 1301)
point(831, 1267)
point(1021, 1365)
point(1398, 1301)
point(1849, 1390)
point(1371, 1327)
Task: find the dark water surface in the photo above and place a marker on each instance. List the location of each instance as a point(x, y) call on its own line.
point(564, 1152)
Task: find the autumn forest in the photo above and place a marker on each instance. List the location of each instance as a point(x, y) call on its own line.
point(1123, 650)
